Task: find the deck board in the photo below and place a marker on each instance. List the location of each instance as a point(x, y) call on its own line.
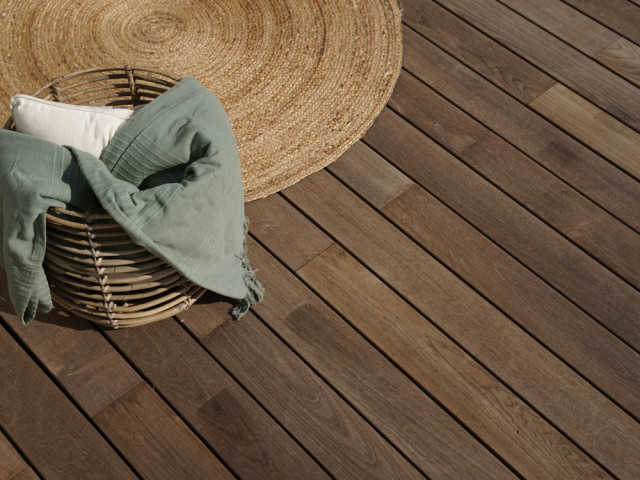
point(12, 462)
point(559, 60)
point(623, 57)
point(620, 15)
point(538, 308)
point(524, 236)
point(567, 400)
point(457, 296)
point(391, 402)
point(47, 428)
point(438, 365)
point(223, 414)
point(340, 439)
point(155, 441)
point(592, 175)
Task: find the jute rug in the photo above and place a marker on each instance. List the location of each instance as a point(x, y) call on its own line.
point(301, 80)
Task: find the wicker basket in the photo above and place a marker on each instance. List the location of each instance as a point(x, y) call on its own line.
point(93, 267)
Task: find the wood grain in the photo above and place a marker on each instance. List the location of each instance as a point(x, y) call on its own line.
point(623, 57)
point(570, 213)
point(567, 158)
point(274, 219)
point(26, 474)
point(619, 15)
point(438, 118)
point(611, 138)
point(588, 226)
point(345, 444)
point(379, 189)
point(226, 418)
point(565, 22)
point(566, 399)
point(594, 288)
point(579, 72)
point(209, 313)
point(56, 438)
point(537, 307)
point(471, 393)
point(76, 354)
point(11, 462)
point(546, 315)
point(489, 58)
point(398, 409)
point(155, 441)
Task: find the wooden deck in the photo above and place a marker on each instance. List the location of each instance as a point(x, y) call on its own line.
point(456, 297)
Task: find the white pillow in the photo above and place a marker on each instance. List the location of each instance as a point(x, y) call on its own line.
point(85, 127)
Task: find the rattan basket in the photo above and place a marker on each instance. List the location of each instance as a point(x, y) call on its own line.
point(93, 267)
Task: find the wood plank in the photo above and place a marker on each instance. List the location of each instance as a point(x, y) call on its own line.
point(567, 23)
point(588, 226)
point(454, 379)
point(26, 474)
point(567, 400)
point(619, 15)
point(611, 138)
point(98, 378)
point(590, 285)
point(379, 189)
point(577, 165)
point(155, 441)
point(208, 313)
point(579, 72)
point(11, 462)
point(623, 57)
point(76, 354)
point(442, 121)
point(270, 220)
point(345, 444)
point(56, 438)
point(471, 393)
point(394, 405)
point(538, 308)
point(570, 213)
point(225, 417)
point(510, 72)
point(559, 325)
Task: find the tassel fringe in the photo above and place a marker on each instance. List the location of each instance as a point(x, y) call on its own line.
point(255, 289)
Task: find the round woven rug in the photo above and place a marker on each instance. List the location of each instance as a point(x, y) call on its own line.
point(301, 80)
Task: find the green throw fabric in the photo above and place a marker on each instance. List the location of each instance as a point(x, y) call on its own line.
point(170, 177)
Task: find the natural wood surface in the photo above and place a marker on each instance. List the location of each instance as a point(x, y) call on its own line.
point(589, 124)
point(154, 440)
point(593, 176)
point(515, 290)
point(443, 368)
point(46, 426)
point(538, 190)
point(227, 419)
point(476, 324)
point(12, 462)
point(623, 16)
point(603, 87)
point(456, 297)
point(593, 287)
point(566, 23)
point(623, 57)
point(342, 441)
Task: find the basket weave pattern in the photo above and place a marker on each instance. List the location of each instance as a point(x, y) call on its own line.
point(93, 267)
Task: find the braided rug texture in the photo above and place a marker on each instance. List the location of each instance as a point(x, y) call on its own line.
point(301, 80)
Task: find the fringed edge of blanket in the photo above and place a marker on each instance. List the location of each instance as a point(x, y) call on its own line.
point(255, 290)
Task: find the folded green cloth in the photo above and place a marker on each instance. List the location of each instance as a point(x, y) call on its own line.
point(170, 177)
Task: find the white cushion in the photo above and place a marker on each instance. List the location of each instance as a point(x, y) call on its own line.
point(87, 128)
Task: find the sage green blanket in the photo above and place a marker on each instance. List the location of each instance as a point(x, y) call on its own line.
point(170, 177)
